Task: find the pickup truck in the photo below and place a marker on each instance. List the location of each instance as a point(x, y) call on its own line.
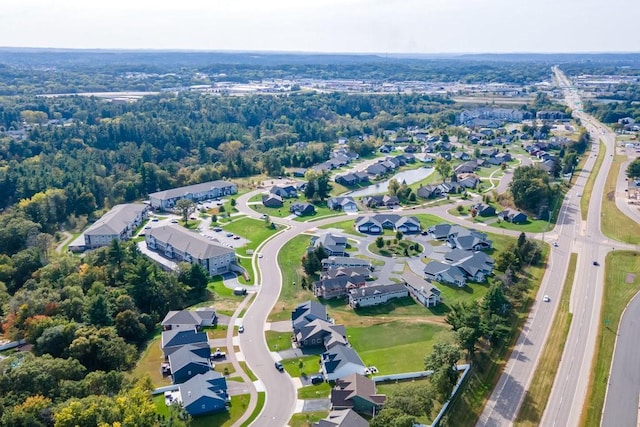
point(218, 354)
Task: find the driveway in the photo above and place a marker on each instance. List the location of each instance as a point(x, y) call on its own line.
point(316, 405)
point(292, 353)
point(235, 388)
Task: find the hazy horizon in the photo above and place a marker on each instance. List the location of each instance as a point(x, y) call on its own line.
point(326, 26)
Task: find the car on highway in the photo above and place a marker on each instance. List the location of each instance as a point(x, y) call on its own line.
point(279, 366)
point(546, 298)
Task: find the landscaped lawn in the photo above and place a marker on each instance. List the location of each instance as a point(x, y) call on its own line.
point(396, 309)
point(318, 391)
point(307, 365)
point(399, 346)
point(591, 180)
point(262, 396)
point(345, 226)
point(237, 408)
point(216, 331)
point(615, 224)
point(289, 259)
point(224, 300)
point(278, 341)
point(622, 282)
point(254, 230)
point(393, 250)
point(529, 226)
point(307, 419)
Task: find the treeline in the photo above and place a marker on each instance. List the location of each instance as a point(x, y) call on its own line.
point(611, 112)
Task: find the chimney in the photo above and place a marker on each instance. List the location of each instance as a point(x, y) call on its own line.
point(189, 393)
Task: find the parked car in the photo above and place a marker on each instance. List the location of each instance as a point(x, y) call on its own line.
point(239, 290)
point(279, 366)
point(241, 329)
point(174, 221)
point(229, 234)
point(154, 219)
point(317, 379)
point(218, 354)
point(236, 237)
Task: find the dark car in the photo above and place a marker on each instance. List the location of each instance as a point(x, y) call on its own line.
point(279, 366)
point(317, 379)
point(595, 263)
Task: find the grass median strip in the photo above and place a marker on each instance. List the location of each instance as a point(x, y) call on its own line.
point(588, 187)
point(535, 400)
point(622, 282)
point(261, 398)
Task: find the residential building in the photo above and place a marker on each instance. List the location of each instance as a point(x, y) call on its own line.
point(342, 418)
point(468, 180)
point(188, 361)
point(460, 237)
point(204, 394)
point(375, 295)
point(198, 192)
point(333, 244)
point(484, 210)
point(345, 271)
point(320, 332)
point(302, 209)
point(357, 392)
point(381, 201)
point(307, 312)
point(427, 295)
point(375, 224)
point(513, 216)
point(172, 340)
point(445, 273)
point(377, 170)
point(339, 286)
point(429, 191)
point(346, 204)
point(340, 361)
point(174, 242)
point(272, 201)
point(190, 319)
point(117, 224)
point(286, 192)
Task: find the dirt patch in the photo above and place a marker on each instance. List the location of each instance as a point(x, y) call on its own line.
point(630, 278)
point(611, 196)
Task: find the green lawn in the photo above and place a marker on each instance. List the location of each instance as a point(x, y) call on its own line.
point(615, 224)
point(345, 226)
point(398, 346)
point(537, 396)
point(248, 371)
point(588, 187)
point(307, 365)
point(261, 399)
point(224, 299)
point(216, 331)
point(278, 341)
point(318, 391)
point(529, 226)
point(254, 230)
point(393, 250)
point(619, 267)
point(396, 309)
point(289, 259)
point(149, 363)
point(237, 408)
point(307, 419)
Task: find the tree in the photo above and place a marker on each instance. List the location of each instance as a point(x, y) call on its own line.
point(633, 170)
point(413, 399)
point(129, 326)
point(394, 186)
point(442, 361)
point(35, 411)
point(185, 207)
point(233, 202)
point(508, 259)
point(379, 242)
point(467, 338)
point(530, 188)
point(443, 167)
point(399, 235)
point(393, 418)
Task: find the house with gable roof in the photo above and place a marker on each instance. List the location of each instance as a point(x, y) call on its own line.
point(188, 361)
point(341, 361)
point(333, 244)
point(307, 312)
point(357, 392)
point(342, 418)
point(445, 273)
point(346, 204)
point(190, 319)
point(204, 394)
point(320, 332)
point(174, 339)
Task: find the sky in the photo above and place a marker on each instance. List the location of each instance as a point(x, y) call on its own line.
point(357, 26)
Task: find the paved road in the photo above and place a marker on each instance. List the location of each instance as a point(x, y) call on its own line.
point(572, 235)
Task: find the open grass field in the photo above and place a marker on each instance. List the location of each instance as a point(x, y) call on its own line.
point(149, 363)
point(614, 223)
point(307, 419)
point(289, 259)
point(399, 346)
point(344, 226)
point(536, 397)
point(254, 230)
point(588, 187)
point(617, 294)
point(224, 300)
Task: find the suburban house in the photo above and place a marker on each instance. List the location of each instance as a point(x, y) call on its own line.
point(427, 295)
point(341, 261)
point(188, 361)
point(339, 286)
point(381, 201)
point(357, 392)
point(352, 178)
point(198, 192)
point(174, 339)
point(386, 148)
point(286, 192)
point(462, 155)
point(298, 172)
point(484, 210)
point(513, 216)
point(375, 295)
point(204, 394)
point(346, 204)
point(376, 224)
point(272, 201)
point(345, 271)
point(468, 180)
point(476, 265)
point(460, 237)
point(466, 167)
point(307, 312)
point(445, 273)
point(333, 244)
point(429, 191)
point(189, 319)
point(342, 418)
point(174, 242)
point(321, 333)
point(117, 224)
point(302, 209)
point(377, 169)
point(340, 361)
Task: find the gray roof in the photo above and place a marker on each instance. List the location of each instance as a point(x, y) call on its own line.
point(329, 239)
point(116, 220)
point(342, 418)
point(345, 260)
point(189, 242)
point(191, 189)
point(436, 267)
point(378, 290)
point(338, 356)
point(307, 312)
point(211, 385)
point(177, 337)
point(188, 354)
point(332, 272)
point(187, 317)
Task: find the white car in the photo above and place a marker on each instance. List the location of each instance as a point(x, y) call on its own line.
point(546, 298)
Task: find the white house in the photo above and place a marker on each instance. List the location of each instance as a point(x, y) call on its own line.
point(375, 295)
point(119, 224)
